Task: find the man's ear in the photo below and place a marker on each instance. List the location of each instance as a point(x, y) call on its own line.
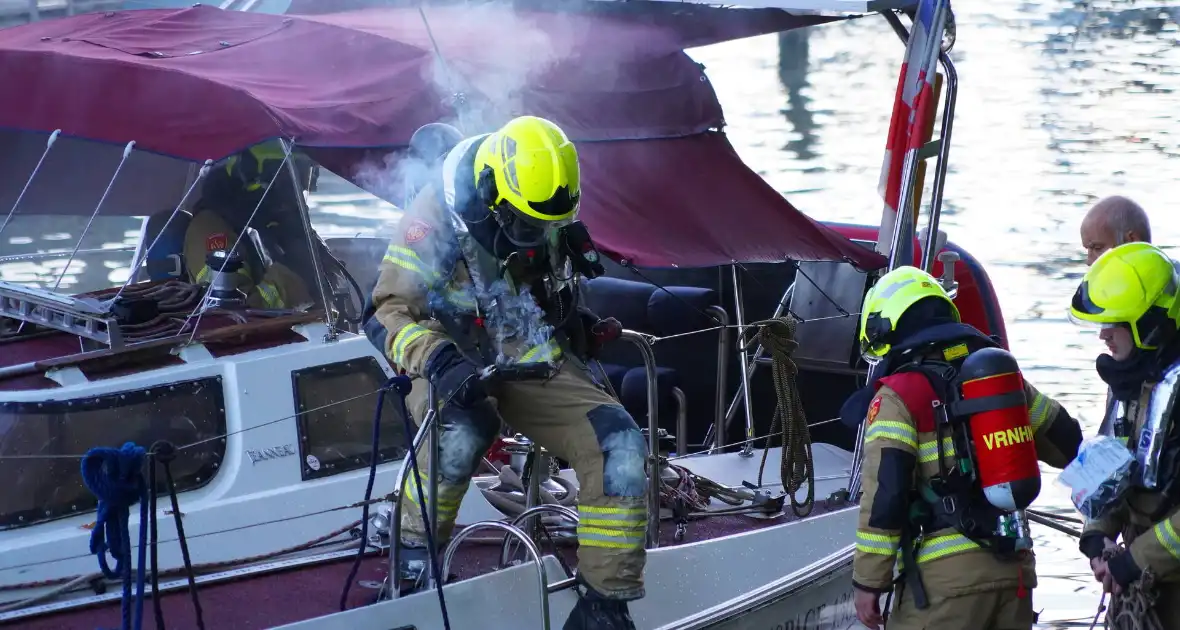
point(1131, 237)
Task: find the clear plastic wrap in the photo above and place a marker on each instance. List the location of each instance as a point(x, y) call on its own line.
point(1099, 476)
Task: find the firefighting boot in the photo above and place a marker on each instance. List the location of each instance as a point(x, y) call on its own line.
point(413, 563)
point(595, 612)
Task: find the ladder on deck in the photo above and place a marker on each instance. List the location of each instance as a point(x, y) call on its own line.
point(828, 296)
point(84, 317)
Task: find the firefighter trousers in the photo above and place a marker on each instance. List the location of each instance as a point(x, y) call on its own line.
point(573, 418)
point(988, 610)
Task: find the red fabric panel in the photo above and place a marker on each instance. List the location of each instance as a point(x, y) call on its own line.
point(202, 83)
point(275, 76)
point(691, 202)
point(917, 394)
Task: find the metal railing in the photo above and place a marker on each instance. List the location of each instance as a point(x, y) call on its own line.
point(509, 531)
point(900, 251)
point(653, 436)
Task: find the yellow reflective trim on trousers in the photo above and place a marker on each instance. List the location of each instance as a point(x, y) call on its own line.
point(611, 527)
point(928, 451)
point(892, 430)
point(943, 546)
point(631, 538)
point(1038, 411)
point(882, 544)
point(613, 520)
point(1166, 535)
point(406, 336)
point(594, 509)
point(547, 351)
point(449, 497)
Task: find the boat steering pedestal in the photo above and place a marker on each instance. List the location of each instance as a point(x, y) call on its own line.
point(223, 290)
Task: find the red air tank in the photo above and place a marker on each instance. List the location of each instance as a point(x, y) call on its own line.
point(993, 399)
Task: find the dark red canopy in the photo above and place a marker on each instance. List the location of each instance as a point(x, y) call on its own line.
point(662, 186)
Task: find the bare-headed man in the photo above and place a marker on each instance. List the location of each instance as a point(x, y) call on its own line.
point(1113, 222)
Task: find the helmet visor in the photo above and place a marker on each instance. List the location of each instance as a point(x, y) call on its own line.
point(1078, 320)
point(1082, 304)
point(561, 206)
point(522, 230)
point(1084, 312)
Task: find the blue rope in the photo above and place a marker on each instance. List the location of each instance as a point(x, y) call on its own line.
point(401, 385)
point(115, 477)
point(413, 455)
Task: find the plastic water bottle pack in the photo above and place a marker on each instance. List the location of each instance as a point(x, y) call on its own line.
point(1099, 476)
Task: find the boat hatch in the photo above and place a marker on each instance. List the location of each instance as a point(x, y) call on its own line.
point(335, 404)
point(40, 441)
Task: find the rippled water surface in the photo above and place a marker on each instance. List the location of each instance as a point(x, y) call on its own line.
point(1059, 104)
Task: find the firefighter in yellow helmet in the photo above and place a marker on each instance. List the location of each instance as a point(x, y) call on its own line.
point(1131, 293)
point(229, 195)
point(942, 498)
point(476, 296)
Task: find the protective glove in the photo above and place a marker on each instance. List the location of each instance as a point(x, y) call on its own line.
point(599, 332)
point(1123, 569)
point(455, 379)
point(605, 331)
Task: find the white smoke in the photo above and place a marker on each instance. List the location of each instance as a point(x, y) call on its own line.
point(484, 89)
point(483, 78)
point(514, 50)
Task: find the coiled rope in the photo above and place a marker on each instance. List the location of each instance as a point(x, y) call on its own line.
point(684, 489)
point(797, 466)
point(115, 476)
point(1133, 608)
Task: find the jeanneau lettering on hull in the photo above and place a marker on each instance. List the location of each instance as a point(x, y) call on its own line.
point(262, 454)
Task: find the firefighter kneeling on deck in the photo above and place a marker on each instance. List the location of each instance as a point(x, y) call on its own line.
point(1132, 292)
point(500, 212)
point(950, 461)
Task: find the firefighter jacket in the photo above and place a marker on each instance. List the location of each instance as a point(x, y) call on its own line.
point(420, 277)
point(1148, 521)
point(901, 448)
point(278, 288)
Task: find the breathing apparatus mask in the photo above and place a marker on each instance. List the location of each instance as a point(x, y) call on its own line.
point(540, 246)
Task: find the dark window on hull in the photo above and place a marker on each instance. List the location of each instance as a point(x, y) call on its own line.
point(38, 490)
point(336, 404)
